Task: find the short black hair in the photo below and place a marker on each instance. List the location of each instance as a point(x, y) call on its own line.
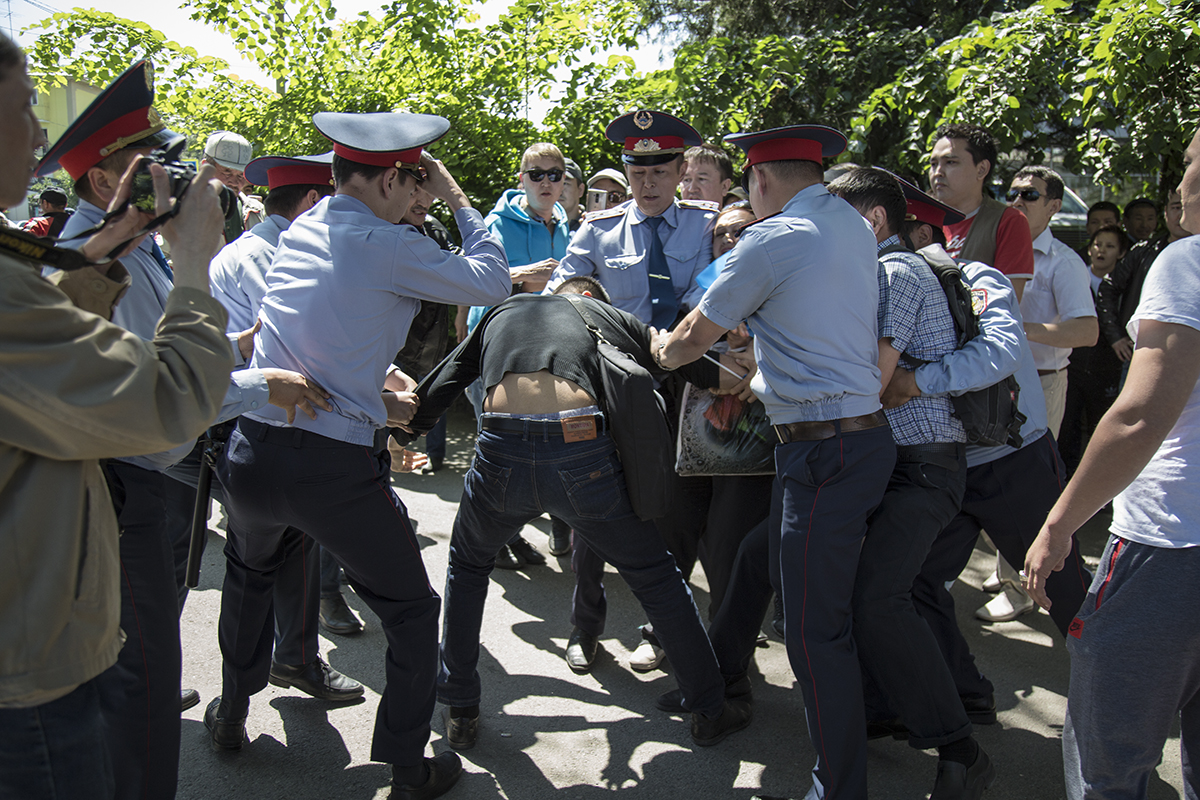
point(980, 144)
point(1122, 236)
point(791, 170)
point(344, 170)
point(583, 283)
point(1141, 201)
point(116, 162)
point(867, 187)
point(283, 200)
point(1103, 205)
point(1054, 181)
point(714, 154)
point(55, 197)
point(11, 55)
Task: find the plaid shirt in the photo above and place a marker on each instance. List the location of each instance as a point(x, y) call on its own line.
point(913, 313)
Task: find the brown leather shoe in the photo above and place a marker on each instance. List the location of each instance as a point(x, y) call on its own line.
point(318, 679)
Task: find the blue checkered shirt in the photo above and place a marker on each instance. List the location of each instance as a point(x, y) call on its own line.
point(913, 313)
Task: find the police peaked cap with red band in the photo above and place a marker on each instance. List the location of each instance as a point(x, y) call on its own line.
point(651, 137)
point(121, 116)
point(276, 171)
point(381, 139)
point(924, 208)
point(792, 143)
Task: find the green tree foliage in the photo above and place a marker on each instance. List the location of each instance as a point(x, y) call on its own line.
point(424, 56)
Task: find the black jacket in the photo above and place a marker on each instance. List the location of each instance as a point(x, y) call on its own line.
point(1121, 289)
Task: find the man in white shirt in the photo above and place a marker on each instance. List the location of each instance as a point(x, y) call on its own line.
point(1059, 315)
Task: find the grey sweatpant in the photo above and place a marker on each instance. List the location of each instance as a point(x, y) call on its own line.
point(1135, 664)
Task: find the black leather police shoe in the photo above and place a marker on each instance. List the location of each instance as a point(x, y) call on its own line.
point(957, 782)
point(581, 651)
point(318, 679)
point(735, 715)
point(336, 616)
point(227, 733)
point(560, 540)
point(980, 710)
point(528, 553)
point(188, 698)
point(461, 732)
point(738, 688)
point(444, 772)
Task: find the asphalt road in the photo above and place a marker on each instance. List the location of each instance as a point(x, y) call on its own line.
point(546, 732)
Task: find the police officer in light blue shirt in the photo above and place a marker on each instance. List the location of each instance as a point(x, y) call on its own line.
point(646, 253)
point(650, 277)
point(805, 279)
point(342, 289)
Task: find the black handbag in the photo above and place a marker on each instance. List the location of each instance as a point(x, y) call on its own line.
point(637, 423)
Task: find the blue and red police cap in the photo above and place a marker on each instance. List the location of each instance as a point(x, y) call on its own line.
point(276, 171)
point(121, 116)
point(925, 208)
point(651, 137)
point(791, 143)
point(381, 139)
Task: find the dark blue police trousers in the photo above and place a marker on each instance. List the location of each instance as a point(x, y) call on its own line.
point(281, 481)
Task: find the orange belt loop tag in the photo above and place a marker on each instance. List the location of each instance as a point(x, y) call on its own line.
point(579, 429)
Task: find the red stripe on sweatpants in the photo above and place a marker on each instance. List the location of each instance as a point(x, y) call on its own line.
point(1112, 563)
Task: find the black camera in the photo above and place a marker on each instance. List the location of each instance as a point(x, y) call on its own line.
point(179, 178)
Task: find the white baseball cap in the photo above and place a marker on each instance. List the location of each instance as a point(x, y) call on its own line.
point(229, 150)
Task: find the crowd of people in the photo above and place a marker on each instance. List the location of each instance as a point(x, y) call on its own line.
point(300, 347)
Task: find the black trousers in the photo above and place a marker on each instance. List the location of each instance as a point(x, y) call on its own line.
point(297, 584)
point(282, 481)
point(139, 695)
point(1009, 498)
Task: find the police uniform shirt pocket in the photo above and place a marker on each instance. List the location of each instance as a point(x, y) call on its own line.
point(487, 483)
point(624, 261)
point(594, 490)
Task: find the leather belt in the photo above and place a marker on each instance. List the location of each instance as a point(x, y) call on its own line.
point(540, 427)
point(1044, 372)
point(948, 455)
point(816, 431)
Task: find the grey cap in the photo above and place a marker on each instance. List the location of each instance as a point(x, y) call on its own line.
point(229, 150)
point(612, 175)
point(573, 170)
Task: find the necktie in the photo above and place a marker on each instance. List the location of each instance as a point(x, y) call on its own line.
point(157, 252)
point(663, 305)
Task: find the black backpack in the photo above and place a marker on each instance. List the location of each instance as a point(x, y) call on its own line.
point(990, 416)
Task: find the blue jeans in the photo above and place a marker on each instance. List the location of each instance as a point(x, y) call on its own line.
point(56, 749)
point(515, 478)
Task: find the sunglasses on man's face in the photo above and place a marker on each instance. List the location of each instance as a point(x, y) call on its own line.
point(555, 175)
point(1028, 195)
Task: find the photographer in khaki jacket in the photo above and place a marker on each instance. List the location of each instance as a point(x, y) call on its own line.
point(74, 389)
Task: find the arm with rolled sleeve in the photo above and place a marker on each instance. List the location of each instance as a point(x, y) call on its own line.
point(990, 357)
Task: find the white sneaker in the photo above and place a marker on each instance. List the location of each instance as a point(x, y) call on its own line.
point(993, 583)
point(646, 657)
point(1008, 605)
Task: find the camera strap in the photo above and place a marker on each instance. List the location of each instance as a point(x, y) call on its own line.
point(80, 261)
point(27, 247)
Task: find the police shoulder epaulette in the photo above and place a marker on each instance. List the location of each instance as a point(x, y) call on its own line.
point(615, 211)
point(706, 205)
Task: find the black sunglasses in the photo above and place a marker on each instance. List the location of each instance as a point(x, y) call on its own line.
point(1028, 195)
point(555, 175)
